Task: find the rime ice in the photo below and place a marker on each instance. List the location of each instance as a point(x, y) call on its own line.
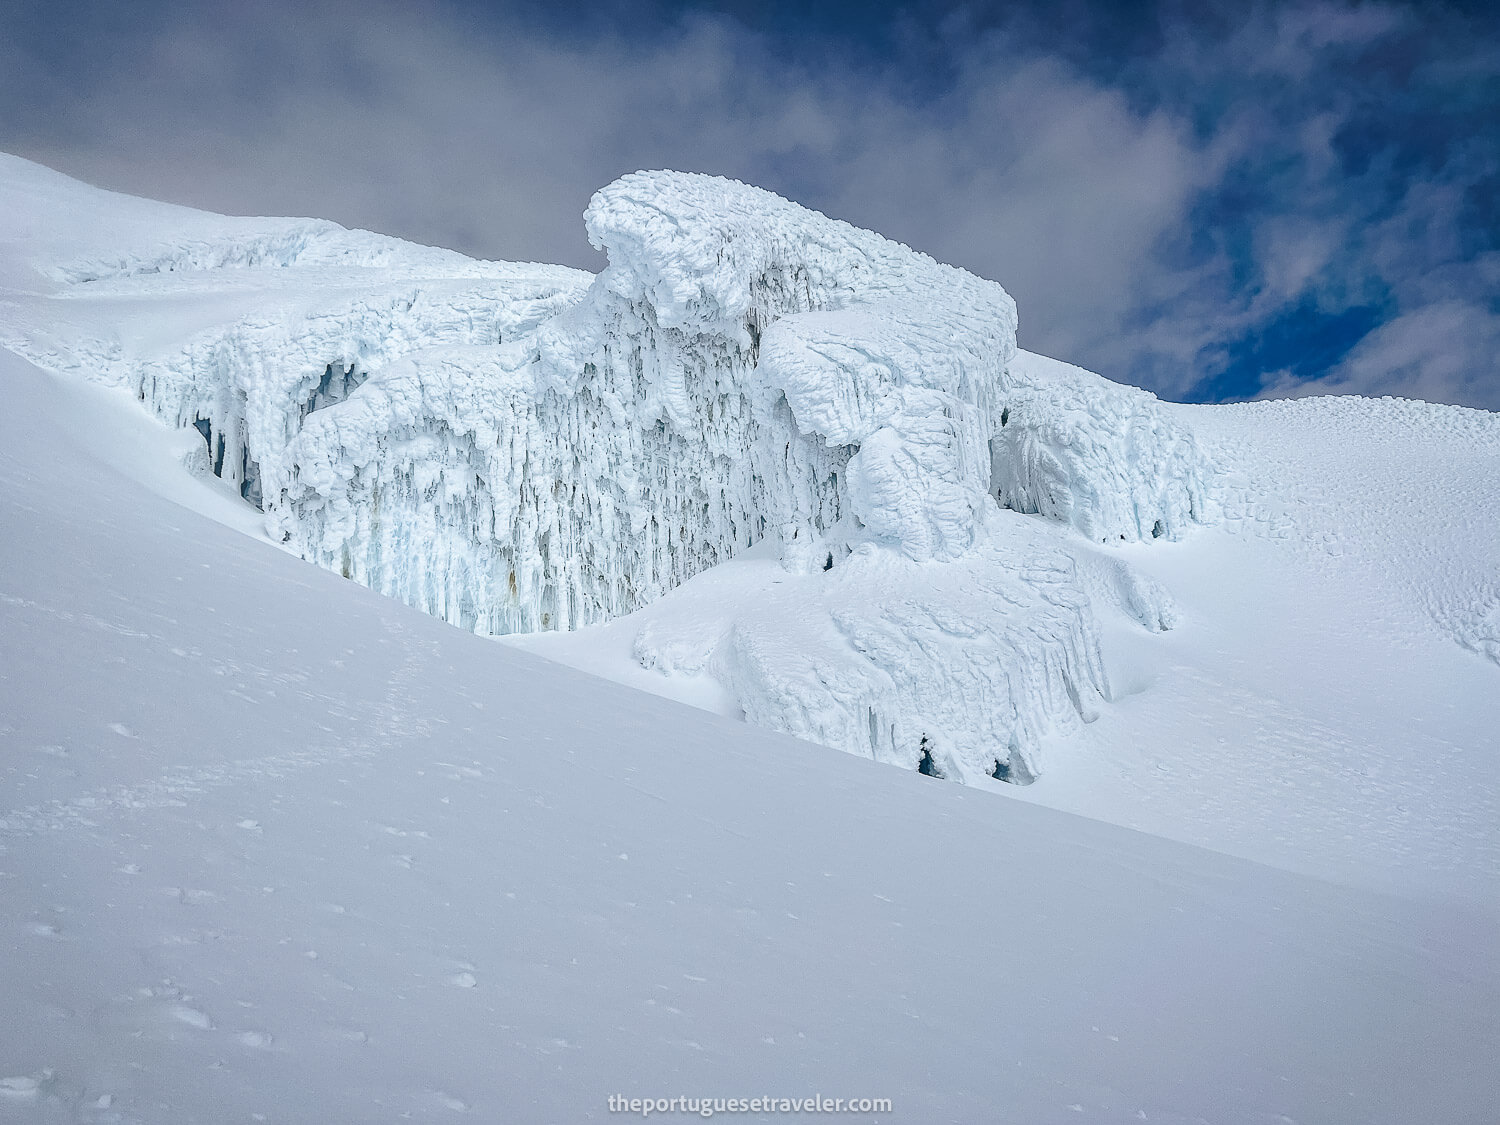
point(519, 448)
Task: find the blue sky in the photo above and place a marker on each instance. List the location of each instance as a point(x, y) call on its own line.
point(1213, 201)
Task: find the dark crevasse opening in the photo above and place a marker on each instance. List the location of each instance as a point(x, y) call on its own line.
point(215, 443)
point(250, 488)
point(337, 383)
point(1013, 768)
point(250, 478)
point(925, 765)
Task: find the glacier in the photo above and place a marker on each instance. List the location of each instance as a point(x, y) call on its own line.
point(743, 369)
point(520, 448)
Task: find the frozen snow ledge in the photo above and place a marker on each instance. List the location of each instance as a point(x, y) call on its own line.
point(1098, 456)
point(744, 369)
point(959, 670)
point(861, 376)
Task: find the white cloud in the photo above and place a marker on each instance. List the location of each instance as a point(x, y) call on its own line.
point(1443, 352)
point(1079, 199)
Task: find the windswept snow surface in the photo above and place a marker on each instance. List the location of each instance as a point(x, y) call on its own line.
point(275, 848)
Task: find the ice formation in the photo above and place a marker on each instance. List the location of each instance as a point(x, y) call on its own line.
point(743, 368)
point(1096, 455)
point(521, 448)
point(958, 669)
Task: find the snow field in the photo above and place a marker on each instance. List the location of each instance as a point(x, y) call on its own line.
point(276, 848)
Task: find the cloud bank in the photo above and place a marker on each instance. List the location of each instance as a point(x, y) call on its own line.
point(1217, 204)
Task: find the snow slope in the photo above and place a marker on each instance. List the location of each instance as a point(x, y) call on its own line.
point(276, 848)
point(1270, 630)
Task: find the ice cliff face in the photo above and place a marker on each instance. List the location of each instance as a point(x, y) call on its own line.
point(523, 448)
point(743, 368)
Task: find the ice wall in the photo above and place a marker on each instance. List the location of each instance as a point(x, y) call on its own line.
point(521, 448)
point(252, 388)
point(744, 368)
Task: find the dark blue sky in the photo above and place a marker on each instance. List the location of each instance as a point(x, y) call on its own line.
point(1215, 201)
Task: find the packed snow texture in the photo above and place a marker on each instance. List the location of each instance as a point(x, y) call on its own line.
point(513, 450)
point(1428, 535)
point(958, 671)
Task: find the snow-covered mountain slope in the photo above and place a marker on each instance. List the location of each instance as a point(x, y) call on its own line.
point(510, 451)
point(275, 848)
point(1234, 627)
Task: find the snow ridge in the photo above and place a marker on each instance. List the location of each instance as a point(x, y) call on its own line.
point(273, 244)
